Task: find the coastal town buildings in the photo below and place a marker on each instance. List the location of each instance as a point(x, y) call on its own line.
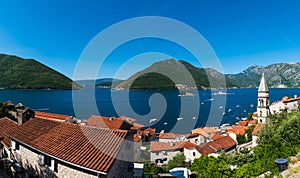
point(195, 138)
point(162, 152)
point(286, 103)
point(47, 147)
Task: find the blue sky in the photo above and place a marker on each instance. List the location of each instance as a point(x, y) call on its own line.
point(241, 33)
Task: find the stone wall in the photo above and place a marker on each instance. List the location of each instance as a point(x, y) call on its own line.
point(30, 161)
point(191, 154)
point(66, 172)
point(120, 170)
point(162, 155)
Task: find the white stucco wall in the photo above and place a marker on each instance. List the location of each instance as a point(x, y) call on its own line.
point(191, 154)
point(162, 155)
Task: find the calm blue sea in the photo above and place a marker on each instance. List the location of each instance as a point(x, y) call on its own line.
point(167, 110)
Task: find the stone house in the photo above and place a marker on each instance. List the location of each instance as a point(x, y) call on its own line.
point(286, 103)
point(121, 123)
point(162, 152)
point(195, 138)
point(6, 125)
point(47, 148)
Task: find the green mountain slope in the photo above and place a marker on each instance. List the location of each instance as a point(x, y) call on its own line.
point(165, 74)
point(103, 82)
point(19, 73)
point(277, 75)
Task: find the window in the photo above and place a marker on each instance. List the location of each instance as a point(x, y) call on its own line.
point(48, 162)
point(194, 154)
point(15, 145)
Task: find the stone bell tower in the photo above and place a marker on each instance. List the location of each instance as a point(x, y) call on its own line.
point(263, 101)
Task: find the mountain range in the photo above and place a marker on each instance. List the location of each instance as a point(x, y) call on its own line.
point(168, 73)
point(19, 73)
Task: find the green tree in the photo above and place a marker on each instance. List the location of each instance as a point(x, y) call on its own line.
point(241, 139)
point(151, 168)
point(249, 133)
point(210, 167)
point(177, 161)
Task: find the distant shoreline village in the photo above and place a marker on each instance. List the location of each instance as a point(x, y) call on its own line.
point(37, 143)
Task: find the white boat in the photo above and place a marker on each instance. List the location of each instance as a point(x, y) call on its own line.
point(251, 105)
point(179, 118)
point(229, 110)
point(194, 118)
point(165, 123)
point(152, 120)
point(224, 113)
point(202, 102)
point(238, 106)
point(221, 107)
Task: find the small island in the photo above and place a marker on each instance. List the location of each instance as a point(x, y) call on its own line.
point(186, 93)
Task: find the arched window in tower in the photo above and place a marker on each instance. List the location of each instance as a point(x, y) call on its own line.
point(260, 113)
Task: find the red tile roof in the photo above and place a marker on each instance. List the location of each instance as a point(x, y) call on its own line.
point(252, 122)
point(256, 129)
point(169, 135)
point(92, 148)
point(243, 123)
point(161, 146)
point(149, 131)
point(255, 114)
point(6, 125)
point(287, 100)
point(137, 138)
point(217, 145)
point(236, 129)
point(205, 149)
point(217, 136)
point(206, 131)
point(225, 142)
point(105, 122)
point(55, 117)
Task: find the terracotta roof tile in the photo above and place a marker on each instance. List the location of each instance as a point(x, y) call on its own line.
point(237, 129)
point(255, 114)
point(105, 122)
point(287, 100)
point(6, 125)
point(217, 136)
point(206, 131)
point(205, 149)
point(225, 142)
point(55, 117)
point(149, 131)
point(243, 123)
point(217, 145)
point(256, 129)
point(252, 122)
point(137, 138)
point(161, 146)
point(93, 148)
point(167, 135)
